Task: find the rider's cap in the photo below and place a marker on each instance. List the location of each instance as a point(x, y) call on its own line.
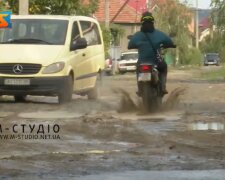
point(147, 17)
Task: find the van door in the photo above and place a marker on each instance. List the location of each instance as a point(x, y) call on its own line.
point(77, 58)
point(94, 52)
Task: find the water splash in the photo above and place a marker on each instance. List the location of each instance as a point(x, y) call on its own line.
point(127, 104)
point(173, 99)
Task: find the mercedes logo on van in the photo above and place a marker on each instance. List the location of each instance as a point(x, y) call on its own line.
point(17, 69)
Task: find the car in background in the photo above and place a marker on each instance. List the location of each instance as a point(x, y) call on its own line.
point(127, 62)
point(211, 59)
point(108, 66)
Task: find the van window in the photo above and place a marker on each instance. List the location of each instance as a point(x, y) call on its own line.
point(75, 32)
point(42, 30)
point(90, 32)
point(22, 30)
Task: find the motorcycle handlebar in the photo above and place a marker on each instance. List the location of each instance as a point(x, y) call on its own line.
point(169, 46)
point(173, 46)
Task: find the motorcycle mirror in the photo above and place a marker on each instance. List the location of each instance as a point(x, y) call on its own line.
point(172, 34)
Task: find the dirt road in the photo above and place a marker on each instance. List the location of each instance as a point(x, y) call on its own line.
point(43, 140)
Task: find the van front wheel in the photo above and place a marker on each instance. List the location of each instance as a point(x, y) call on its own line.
point(65, 95)
point(20, 98)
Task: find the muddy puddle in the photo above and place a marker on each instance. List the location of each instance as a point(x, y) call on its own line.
point(201, 126)
point(160, 175)
point(129, 104)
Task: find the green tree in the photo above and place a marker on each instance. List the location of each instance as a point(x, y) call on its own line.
point(4, 5)
point(174, 18)
point(111, 35)
point(215, 42)
point(107, 38)
point(13, 6)
point(219, 12)
point(57, 7)
point(116, 32)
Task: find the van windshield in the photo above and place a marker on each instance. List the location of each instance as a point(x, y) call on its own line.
point(35, 31)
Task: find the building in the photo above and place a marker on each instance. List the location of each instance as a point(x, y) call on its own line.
point(204, 24)
point(127, 14)
point(122, 13)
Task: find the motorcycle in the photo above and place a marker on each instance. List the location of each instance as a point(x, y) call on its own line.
point(150, 87)
point(150, 83)
point(149, 80)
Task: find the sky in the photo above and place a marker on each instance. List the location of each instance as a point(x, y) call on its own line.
point(203, 4)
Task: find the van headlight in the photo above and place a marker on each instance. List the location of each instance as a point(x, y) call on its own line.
point(54, 68)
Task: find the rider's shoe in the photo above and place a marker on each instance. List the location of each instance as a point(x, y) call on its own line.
point(138, 94)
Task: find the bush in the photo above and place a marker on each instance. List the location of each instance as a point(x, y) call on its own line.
point(193, 57)
point(214, 43)
point(222, 54)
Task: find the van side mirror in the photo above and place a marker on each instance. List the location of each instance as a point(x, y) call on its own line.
point(80, 43)
point(129, 36)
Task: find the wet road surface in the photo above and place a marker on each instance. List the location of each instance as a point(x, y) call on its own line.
point(92, 140)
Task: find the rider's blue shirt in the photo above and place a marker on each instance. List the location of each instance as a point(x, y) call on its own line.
point(145, 51)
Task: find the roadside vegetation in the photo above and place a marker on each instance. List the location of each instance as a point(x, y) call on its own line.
point(213, 74)
point(215, 42)
point(3, 6)
point(174, 18)
point(62, 7)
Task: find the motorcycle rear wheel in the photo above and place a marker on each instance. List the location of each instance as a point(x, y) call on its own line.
point(147, 97)
point(151, 100)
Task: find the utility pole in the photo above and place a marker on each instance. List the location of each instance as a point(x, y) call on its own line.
point(135, 27)
point(197, 25)
point(149, 4)
point(107, 14)
point(23, 7)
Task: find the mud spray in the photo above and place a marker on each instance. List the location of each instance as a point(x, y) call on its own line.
point(127, 104)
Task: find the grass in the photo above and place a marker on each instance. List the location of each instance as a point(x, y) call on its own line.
point(213, 74)
point(185, 67)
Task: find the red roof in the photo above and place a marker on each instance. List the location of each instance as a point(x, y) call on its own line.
point(127, 15)
point(131, 13)
point(139, 5)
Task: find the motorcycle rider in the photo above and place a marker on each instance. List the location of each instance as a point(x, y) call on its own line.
point(149, 40)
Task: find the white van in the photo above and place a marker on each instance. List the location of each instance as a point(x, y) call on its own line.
point(51, 55)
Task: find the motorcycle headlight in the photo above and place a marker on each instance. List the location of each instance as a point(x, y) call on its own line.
point(54, 68)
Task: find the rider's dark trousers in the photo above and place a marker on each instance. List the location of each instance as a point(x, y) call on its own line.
point(163, 74)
